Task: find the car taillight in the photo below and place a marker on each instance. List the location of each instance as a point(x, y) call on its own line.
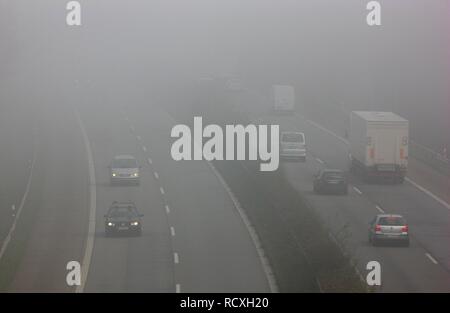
point(377, 228)
point(405, 229)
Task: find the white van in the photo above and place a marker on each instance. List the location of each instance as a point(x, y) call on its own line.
point(293, 145)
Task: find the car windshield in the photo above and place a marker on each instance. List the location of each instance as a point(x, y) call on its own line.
point(124, 163)
point(122, 212)
point(293, 137)
point(392, 221)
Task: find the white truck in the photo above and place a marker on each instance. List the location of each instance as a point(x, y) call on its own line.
point(283, 98)
point(378, 145)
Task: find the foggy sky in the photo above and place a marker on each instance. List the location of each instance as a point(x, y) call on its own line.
point(322, 47)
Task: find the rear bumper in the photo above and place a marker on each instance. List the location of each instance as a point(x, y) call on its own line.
point(372, 171)
point(376, 173)
point(395, 238)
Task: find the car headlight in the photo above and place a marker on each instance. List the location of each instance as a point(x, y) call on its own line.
point(114, 174)
point(136, 174)
point(134, 223)
point(110, 224)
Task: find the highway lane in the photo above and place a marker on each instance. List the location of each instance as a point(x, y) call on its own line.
point(52, 227)
point(193, 239)
point(403, 269)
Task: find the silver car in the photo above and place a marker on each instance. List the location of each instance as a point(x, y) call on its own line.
point(293, 146)
point(388, 227)
point(124, 169)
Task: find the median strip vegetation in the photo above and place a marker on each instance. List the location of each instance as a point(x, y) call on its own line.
point(303, 256)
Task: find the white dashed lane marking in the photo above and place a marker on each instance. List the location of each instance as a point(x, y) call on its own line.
point(357, 190)
point(431, 258)
point(156, 175)
point(149, 161)
point(144, 148)
point(172, 231)
point(167, 209)
point(176, 259)
point(379, 209)
point(177, 288)
point(162, 190)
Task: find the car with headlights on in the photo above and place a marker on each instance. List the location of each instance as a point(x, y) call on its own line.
point(123, 217)
point(124, 169)
point(388, 228)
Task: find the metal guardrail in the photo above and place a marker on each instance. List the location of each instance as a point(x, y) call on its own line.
point(430, 157)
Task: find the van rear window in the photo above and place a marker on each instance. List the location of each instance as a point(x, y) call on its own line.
point(293, 137)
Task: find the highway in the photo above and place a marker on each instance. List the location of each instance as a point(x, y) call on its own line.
point(424, 266)
point(72, 98)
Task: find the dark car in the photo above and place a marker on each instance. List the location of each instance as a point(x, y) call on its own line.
point(331, 181)
point(123, 217)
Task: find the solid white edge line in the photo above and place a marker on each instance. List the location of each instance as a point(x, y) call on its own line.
point(8, 237)
point(92, 209)
point(256, 242)
point(431, 258)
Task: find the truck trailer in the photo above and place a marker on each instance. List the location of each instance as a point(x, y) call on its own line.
point(378, 145)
